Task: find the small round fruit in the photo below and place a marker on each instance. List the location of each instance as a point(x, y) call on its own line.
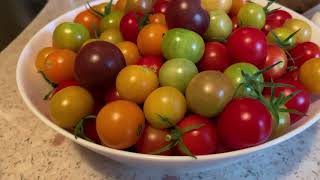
point(182, 43)
point(165, 107)
point(59, 66)
point(102, 7)
point(113, 36)
point(220, 26)
point(70, 35)
point(158, 18)
point(177, 73)
point(42, 57)
point(69, 105)
point(130, 52)
point(304, 52)
point(89, 20)
point(251, 15)
point(210, 5)
point(275, 55)
point(135, 83)
point(236, 6)
point(150, 39)
point(152, 62)
point(282, 33)
point(111, 21)
point(304, 28)
point(281, 126)
point(309, 75)
point(120, 124)
point(208, 92)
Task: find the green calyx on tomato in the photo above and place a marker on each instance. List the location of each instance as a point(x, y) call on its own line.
point(79, 128)
point(52, 84)
point(174, 137)
point(284, 42)
point(266, 8)
point(107, 9)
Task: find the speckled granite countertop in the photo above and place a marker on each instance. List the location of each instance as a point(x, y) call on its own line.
point(31, 150)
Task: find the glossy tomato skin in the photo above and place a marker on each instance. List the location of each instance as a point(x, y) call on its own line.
point(65, 84)
point(112, 35)
point(247, 45)
point(144, 6)
point(152, 62)
point(303, 28)
point(160, 6)
point(292, 75)
point(98, 63)
point(129, 26)
point(89, 20)
point(211, 5)
point(152, 140)
point(220, 26)
point(130, 52)
point(270, 25)
point(120, 124)
point(42, 57)
point(111, 21)
point(251, 15)
point(158, 18)
point(309, 75)
point(299, 102)
point(252, 120)
point(215, 57)
point(111, 94)
point(236, 6)
point(279, 15)
point(201, 141)
point(275, 55)
point(304, 52)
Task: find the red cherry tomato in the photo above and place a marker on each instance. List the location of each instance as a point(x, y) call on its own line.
point(275, 55)
point(89, 128)
point(152, 140)
point(160, 6)
point(247, 45)
point(292, 75)
point(129, 26)
point(200, 141)
point(152, 62)
point(112, 94)
point(299, 102)
point(303, 52)
point(271, 24)
point(65, 84)
point(279, 15)
point(215, 57)
point(244, 123)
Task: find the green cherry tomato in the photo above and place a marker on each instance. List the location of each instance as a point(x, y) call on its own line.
point(113, 36)
point(182, 43)
point(111, 21)
point(208, 93)
point(70, 35)
point(220, 26)
point(233, 72)
point(177, 73)
point(251, 15)
point(164, 107)
point(280, 127)
point(282, 33)
point(69, 105)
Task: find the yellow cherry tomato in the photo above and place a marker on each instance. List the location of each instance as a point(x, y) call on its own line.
point(42, 56)
point(210, 5)
point(113, 36)
point(309, 75)
point(304, 33)
point(130, 52)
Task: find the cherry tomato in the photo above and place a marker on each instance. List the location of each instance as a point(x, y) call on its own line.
point(215, 57)
point(220, 26)
point(200, 141)
point(144, 6)
point(65, 84)
point(69, 105)
point(160, 6)
point(89, 129)
point(282, 33)
point(59, 66)
point(299, 102)
point(152, 140)
point(210, 5)
point(111, 21)
point(279, 15)
point(152, 62)
point(270, 25)
point(130, 52)
point(101, 7)
point(113, 36)
point(251, 15)
point(89, 20)
point(158, 18)
point(135, 83)
point(120, 124)
point(70, 36)
point(112, 94)
point(129, 26)
point(247, 45)
point(280, 127)
point(292, 75)
point(208, 93)
point(309, 75)
point(252, 120)
point(236, 6)
point(275, 55)
point(42, 57)
point(150, 38)
point(233, 72)
point(120, 5)
point(164, 107)
point(304, 52)
point(304, 28)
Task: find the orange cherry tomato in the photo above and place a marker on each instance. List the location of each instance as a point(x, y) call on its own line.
point(101, 7)
point(150, 38)
point(158, 18)
point(59, 66)
point(236, 5)
point(42, 56)
point(130, 52)
point(120, 124)
point(89, 20)
point(121, 5)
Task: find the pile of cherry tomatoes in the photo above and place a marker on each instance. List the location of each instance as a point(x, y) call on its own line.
point(180, 77)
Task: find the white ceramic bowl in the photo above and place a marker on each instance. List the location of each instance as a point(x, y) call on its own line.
point(32, 87)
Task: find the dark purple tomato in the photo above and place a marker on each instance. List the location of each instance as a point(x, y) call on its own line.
point(98, 64)
point(187, 14)
point(160, 6)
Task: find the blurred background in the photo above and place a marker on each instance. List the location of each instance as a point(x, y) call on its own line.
point(15, 15)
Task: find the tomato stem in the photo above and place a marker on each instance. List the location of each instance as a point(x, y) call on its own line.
point(79, 128)
point(93, 10)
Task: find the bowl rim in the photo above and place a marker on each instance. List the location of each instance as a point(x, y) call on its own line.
point(139, 156)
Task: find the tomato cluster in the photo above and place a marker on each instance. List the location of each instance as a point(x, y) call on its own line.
point(180, 77)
